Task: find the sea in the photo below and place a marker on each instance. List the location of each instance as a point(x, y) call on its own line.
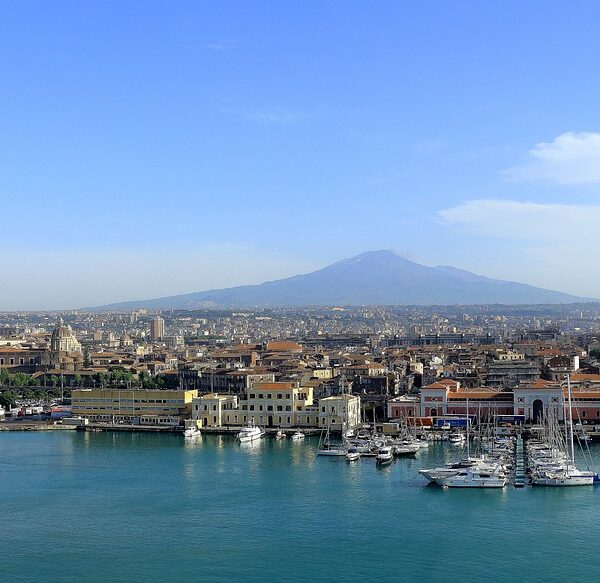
point(96, 507)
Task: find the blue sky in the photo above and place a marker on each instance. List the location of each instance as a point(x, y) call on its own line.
point(153, 148)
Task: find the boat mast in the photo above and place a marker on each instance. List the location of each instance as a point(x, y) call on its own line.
point(572, 443)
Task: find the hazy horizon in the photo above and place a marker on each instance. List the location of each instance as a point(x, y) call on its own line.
point(183, 147)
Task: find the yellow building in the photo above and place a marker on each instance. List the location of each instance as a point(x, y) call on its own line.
point(209, 410)
point(338, 410)
point(134, 407)
point(272, 404)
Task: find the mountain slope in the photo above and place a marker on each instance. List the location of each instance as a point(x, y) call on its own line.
point(372, 278)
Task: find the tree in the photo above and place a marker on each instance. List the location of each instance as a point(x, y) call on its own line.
point(4, 377)
point(8, 399)
point(20, 379)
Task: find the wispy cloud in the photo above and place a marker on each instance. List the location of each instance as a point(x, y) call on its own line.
point(524, 220)
point(551, 245)
point(571, 158)
point(270, 115)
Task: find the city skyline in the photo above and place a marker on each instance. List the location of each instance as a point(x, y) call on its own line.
point(234, 144)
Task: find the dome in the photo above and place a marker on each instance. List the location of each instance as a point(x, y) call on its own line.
point(61, 331)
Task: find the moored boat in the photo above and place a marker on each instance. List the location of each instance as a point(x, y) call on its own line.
point(249, 433)
point(384, 456)
point(191, 431)
point(353, 454)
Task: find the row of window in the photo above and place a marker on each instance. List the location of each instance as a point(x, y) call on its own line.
point(270, 396)
point(12, 361)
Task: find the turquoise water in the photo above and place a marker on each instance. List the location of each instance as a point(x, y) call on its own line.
point(151, 507)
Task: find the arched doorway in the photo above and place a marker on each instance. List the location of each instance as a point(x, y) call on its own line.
point(538, 410)
point(270, 421)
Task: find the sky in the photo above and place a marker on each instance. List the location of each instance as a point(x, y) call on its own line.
point(155, 148)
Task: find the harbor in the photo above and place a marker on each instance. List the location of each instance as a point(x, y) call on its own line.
point(196, 499)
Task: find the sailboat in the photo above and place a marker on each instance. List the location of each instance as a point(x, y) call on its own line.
point(557, 467)
point(325, 446)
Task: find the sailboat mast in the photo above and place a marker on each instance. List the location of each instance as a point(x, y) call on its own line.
point(572, 443)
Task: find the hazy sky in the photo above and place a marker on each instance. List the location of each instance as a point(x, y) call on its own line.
point(153, 148)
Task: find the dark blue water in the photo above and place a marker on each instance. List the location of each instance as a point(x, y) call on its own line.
point(151, 507)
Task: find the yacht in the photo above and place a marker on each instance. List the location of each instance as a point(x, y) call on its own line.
point(280, 434)
point(456, 438)
point(405, 450)
point(435, 474)
point(563, 477)
point(475, 478)
point(353, 454)
point(298, 436)
point(384, 456)
point(191, 431)
point(249, 433)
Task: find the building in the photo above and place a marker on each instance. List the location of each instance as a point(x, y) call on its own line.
point(157, 329)
point(511, 373)
point(276, 404)
point(209, 410)
point(339, 412)
point(133, 407)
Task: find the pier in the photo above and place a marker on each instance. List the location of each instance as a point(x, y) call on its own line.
point(520, 466)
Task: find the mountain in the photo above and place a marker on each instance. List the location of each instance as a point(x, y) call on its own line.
point(372, 278)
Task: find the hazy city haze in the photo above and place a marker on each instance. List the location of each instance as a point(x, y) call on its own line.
point(166, 148)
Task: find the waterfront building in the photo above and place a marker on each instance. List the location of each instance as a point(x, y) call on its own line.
point(276, 404)
point(209, 410)
point(339, 411)
point(135, 406)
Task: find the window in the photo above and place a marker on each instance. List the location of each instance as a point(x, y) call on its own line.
point(252, 396)
point(288, 407)
point(279, 396)
point(260, 407)
point(279, 408)
point(260, 395)
point(12, 361)
point(21, 361)
point(270, 408)
point(269, 396)
point(251, 407)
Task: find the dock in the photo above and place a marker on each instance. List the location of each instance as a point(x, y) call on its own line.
point(520, 466)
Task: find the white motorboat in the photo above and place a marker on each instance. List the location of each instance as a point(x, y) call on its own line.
point(353, 454)
point(456, 438)
point(384, 456)
point(475, 478)
point(298, 436)
point(405, 450)
point(435, 474)
point(191, 431)
point(249, 433)
point(280, 434)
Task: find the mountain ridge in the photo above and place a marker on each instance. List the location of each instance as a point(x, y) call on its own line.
point(371, 278)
